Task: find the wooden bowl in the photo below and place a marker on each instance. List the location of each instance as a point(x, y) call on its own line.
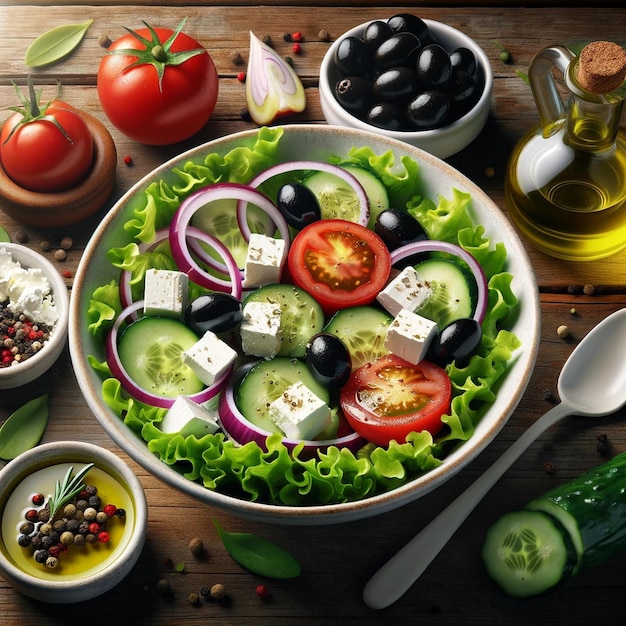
point(50, 210)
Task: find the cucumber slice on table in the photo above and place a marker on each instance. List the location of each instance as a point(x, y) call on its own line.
point(577, 525)
point(337, 199)
point(301, 316)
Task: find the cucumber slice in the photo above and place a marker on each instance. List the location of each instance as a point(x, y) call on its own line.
point(452, 289)
point(301, 315)
point(219, 219)
point(266, 381)
point(527, 553)
point(150, 350)
point(337, 199)
point(363, 330)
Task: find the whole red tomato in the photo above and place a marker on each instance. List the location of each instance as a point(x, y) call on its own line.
point(161, 94)
point(46, 149)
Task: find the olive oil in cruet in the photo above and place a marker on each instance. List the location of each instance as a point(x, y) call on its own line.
point(565, 186)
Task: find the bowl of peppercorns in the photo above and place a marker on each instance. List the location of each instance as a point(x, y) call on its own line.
point(412, 79)
point(73, 521)
point(34, 313)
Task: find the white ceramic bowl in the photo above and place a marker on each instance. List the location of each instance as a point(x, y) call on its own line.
point(442, 142)
point(310, 142)
point(40, 363)
point(59, 586)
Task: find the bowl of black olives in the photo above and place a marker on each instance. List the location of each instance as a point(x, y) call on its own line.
point(412, 79)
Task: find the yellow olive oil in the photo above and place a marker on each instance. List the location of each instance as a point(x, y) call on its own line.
point(78, 561)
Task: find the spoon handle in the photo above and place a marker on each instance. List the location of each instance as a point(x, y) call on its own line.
point(394, 578)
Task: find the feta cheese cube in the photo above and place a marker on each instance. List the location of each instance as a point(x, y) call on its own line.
point(264, 260)
point(409, 336)
point(300, 413)
point(406, 291)
point(209, 357)
point(165, 293)
point(260, 329)
point(189, 418)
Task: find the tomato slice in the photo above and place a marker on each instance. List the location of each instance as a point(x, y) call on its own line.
point(389, 398)
point(339, 263)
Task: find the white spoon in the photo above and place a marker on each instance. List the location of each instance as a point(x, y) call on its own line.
point(592, 383)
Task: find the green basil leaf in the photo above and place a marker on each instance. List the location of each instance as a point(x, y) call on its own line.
point(24, 428)
point(55, 44)
point(259, 555)
point(4, 235)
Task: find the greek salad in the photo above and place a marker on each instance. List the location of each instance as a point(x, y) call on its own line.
point(302, 333)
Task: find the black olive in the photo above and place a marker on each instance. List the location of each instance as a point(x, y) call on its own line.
point(463, 59)
point(433, 67)
point(376, 32)
point(329, 360)
point(397, 84)
point(218, 312)
point(354, 93)
point(397, 228)
point(386, 115)
point(353, 56)
point(458, 341)
point(428, 110)
point(463, 93)
point(399, 49)
point(406, 22)
point(298, 205)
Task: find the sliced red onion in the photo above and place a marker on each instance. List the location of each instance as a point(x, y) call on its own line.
point(292, 166)
point(130, 386)
point(420, 247)
point(238, 428)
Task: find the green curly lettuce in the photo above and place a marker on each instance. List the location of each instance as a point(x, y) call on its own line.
point(277, 475)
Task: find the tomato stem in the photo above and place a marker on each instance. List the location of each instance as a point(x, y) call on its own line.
point(159, 54)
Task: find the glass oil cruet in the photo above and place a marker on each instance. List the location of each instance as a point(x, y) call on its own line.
point(565, 185)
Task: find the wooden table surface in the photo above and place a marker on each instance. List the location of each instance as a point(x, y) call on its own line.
point(337, 560)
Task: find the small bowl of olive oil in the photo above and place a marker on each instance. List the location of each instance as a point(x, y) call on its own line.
point(73, 522)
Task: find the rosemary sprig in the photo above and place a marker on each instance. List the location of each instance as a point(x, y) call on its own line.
point(70, 487)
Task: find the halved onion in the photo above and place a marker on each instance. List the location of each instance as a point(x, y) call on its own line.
point(293, 166)
point(421, 247)
point(238, 428)
point(130, 386)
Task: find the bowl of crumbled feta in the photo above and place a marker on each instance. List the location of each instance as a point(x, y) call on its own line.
point(34, 312)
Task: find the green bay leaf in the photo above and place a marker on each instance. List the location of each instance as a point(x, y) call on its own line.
point(259, 555)
point(24, 428)
point(55, 44)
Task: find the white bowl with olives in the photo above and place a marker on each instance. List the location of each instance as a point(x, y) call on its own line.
point(26, 358)
point(73, 522)
point(419, 81)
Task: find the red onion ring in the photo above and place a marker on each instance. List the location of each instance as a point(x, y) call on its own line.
point(419, 247)
point(130, 386)
point(238, 428)
point(292, 166)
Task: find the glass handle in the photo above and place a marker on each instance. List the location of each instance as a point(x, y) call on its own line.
point(543, 85)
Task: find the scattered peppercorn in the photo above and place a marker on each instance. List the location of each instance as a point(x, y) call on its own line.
point(167, 563)
point(588, 289)
point(218, 591)
point(562, 331)
point(104, 41)
point(20, 236)
point(193, 598)
point(60, 254)
point(263, 593)
point(196, 547)
point(289, 61)
point(66, 274)
point(571, 289)
point(323, 35)
point(604, 446)
point(267, 40)
point(44, 246)
point(549, 396)
point(128, 160)
point(245, 115)
point(296, 48)
point(37, 499)
point(549, 467)
point(572, 311)
point(163, 586)
point(297, 36)
point(287, 37)
point(236, 58)
point(241, 77)
point(505, 55)
point(490, 172)
point(66, 243)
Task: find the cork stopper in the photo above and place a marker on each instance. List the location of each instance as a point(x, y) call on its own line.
point(602, 66)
